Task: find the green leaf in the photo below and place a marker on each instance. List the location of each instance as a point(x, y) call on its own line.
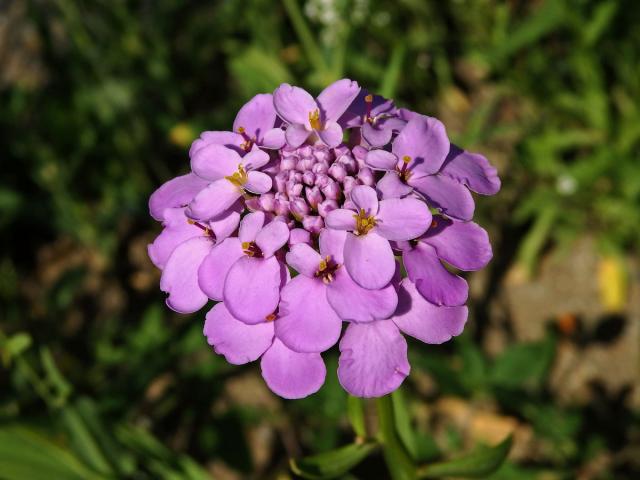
point(523, 364)
point(355, 412)
point(398, 461)
point(334, 463)
point(479, 463)
point(403, 422)
point(257, 71)
point(24, 453)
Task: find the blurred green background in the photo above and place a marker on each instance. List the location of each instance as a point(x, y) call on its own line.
point(99, 101)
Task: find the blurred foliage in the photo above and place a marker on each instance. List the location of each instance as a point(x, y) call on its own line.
point(98, 103)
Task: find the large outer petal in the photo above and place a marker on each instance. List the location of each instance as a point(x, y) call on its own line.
point(304, 259)
point(257, 116)
point(376, 136)
point(402, 218)
point(252, 288)
point(293, 104)
point(238, 342)
point(180, 275)
point(356, 304)
point(369, 260)
point(291, 374)
point(215, 266)
point(432, 279)
point(381, 160)
point(366, 198)
point(424, 139)
point(444, 193)
point(336, 98)
point(272, 237)
point(227, 223)
point(214, 162)
point(306, 322)
point(472, 170)
point(177, 192)
point(425, 321)
point(373, 359)
point(465, 245)
point(214, 200)
point(176, 230)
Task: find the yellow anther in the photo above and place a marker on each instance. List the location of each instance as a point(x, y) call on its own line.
point(246, 245)
point(364, 223)
point(271, 317)
point(406, 159)
point(368, 98)
point(190, 221)
point(239, 178)
point(241, 130)
point(314, 120)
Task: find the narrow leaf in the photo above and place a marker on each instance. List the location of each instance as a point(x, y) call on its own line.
point(333, 463)
point(479, 463)
point(355, 412)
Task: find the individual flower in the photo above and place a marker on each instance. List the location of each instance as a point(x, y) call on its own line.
point(306, 115)
point(376, 117)
point(371, 224)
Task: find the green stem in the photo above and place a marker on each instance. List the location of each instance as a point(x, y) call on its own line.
point(400, 465)
point(306, 37)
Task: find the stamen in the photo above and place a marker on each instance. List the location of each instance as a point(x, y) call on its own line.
point(314, 120)
point(404, 172)
point(364, 223)
point(271, 317)
point(205, 229)
point(248, 142)
point(326, 269)
point(434, 223)
point(250, 249)
point(368, 100)
point(239, 178)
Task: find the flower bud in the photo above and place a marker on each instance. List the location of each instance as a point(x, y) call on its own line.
point(299, 235)
point(319, 168)
point(299, 208)
point(280, 180)
point(281, 207)
point(294, 189)
point(326, 206)
point(308, 178)
point(331, 190)
point(338, 172)
point(266, 201)
point(314, 197)
point(288, 163)
point(313, 223)
point(349, 164)
point(349, 183)
point(366, 177)
point(322, 179)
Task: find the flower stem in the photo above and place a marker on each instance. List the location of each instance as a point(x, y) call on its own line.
point(305, 35)
point(399, 463)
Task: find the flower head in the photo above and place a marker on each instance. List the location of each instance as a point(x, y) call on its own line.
point(294, 231)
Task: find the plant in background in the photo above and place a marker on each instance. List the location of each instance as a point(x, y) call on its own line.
point(296, 221)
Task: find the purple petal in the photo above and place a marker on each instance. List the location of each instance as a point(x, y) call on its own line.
point(373, 359)
point(402, 218)
point(214, 162)
point(433, 280)
point(250, 225)
point(423, 320)
point(180, 275)
point(381, 160)
point(331, 135)
point(273, 139)
point(366, 198)
point(293, 104)
point(332, 243)
point(176, 230)
point(376, 136)
point(472, 170)
point(390, 186)
point(304, 259)
point(238, 342)
point(272, 237)
point(296, 135)
point(228, 139)
point(214, 200)
point(354, 303)
point(464, 245)
point(177, 192)
point(255, 159)
point(336, 98)
point(306, 322)
point(299, 235)
point(226, 224)
point(252, 288)
point(257, 182)
point(256, 117)
point(215, 266)
point(369, 260)
point(446, 194)
point(290, 374)
point(341, 219)
point(424, 140)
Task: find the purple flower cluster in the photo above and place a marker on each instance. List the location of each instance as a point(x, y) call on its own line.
point(296, 221)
